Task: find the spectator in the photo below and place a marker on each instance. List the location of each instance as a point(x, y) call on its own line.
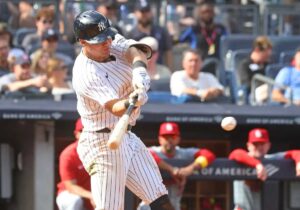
point(5, 12)
point(256, 63)
point(4, 50)
point(185, 19)
point(50, 43)
point(21, 79)
point(146, 27)
point(109, 8)
point(22, 16)
point(247, 194)
point(192, 85)
point(74, 188)
point(6, 34)
point(205, 34)
point(39, 62)
point(44, 20)
point(69, 10)
point(57, 76)
point(288, 77)
point(169, 139)
point(66, 17)
point(156, 71)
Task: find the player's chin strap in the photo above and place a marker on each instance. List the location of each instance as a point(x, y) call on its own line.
point(162, 203)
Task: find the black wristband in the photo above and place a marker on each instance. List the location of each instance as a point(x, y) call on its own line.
point(126, 103)
point(139, 63)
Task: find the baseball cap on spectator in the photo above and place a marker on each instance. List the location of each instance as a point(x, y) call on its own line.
point(18, 57)
point(258, 135)
point(50, 34)
point(142, 5)
point(78, 125)
point(169, 128)
point(151, 42)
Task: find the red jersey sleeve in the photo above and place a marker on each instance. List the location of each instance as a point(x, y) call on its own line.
point(67, 169)
point(293, 154)
point(155, 156)
point(242, 156)
point(209, 155)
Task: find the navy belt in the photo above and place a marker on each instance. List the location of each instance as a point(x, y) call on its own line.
point(107, 130)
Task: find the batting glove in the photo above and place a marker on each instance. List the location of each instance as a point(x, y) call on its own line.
point(140, 78)
point(142, 97)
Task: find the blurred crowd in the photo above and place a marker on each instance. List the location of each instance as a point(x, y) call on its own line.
point(38, 48)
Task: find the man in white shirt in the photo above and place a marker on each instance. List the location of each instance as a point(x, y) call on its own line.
point(192, 85)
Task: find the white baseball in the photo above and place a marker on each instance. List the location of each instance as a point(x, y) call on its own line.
point(228, 123)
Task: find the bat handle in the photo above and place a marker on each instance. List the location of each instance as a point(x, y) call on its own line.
point(132, 102)
point(134, 99)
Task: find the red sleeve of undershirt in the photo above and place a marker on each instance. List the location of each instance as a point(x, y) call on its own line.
point(293, 154)
point(155, 156)
point(67, 169)
point(242, 156)
point(209, 155)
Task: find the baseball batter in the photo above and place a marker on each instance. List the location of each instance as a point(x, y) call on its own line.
point(106, 74)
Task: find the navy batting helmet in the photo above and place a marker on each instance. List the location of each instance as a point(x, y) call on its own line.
point(93, 27)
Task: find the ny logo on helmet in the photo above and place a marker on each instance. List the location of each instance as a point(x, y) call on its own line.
point(101, 26)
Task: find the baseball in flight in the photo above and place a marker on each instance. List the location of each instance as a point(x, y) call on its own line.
point(228, 123)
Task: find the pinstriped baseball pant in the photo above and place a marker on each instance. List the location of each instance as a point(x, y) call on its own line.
point(131, 165)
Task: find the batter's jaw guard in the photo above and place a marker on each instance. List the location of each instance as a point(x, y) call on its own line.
point(145, 48)
point(162, 203)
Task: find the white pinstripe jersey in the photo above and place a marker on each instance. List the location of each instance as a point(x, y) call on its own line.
point(97, 83)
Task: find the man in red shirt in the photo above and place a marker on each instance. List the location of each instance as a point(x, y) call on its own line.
point(74, 190)
point(247, 194)
point(169, 139)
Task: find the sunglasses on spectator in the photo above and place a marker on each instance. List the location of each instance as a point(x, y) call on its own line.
point(61, 68)
point(109, 7)
point(25, 65)
point(145, 10)
point(52, 39)
point(47, 21)
point(207, 11)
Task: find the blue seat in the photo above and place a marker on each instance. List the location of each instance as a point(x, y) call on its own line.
point(160, 85)
point(286, 56)
point(236, 89)
point(211, 65)
point(66, 48)
point(229, 44)
point(20, 35)
point(232, 76)
point(235, 42)
point(235, 58)
point(273, 69)
point(164, 97)
point(283, 44)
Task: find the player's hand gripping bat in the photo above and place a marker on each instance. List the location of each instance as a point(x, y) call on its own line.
point(118, 132)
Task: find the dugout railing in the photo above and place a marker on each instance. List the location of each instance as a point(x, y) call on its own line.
point(279, 192)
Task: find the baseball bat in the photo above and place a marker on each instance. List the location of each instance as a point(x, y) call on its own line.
point(118, 132)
